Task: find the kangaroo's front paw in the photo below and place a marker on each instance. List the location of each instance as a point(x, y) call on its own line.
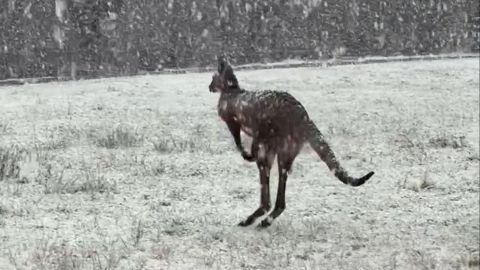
point(247, 156)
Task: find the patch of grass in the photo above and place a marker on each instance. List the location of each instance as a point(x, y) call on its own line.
point(85, 179)
point(473, 261)
point(119, 136)
point(52, 181)
point(53, 255)
point(474, 157)
point(94, 182)
point(191, 144)
point(404, 141)
point(3, 210)
point(418, 183)
point(196, 140)
point(55, 142)
point(29, 167)
point(138, 231)
point(415, 148)
point(448, 141)
point(161, 252)
point(162, 146)
point(423, 259)
point(159, 168)
point(168, 145)
point(56, 137)
point(111, 88)
point(333, 130)
point(175, 225)
point(5, 127)
point(9, 161)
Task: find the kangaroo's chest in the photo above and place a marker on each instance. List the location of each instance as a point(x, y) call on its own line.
point(240, 112)
point(246, 127)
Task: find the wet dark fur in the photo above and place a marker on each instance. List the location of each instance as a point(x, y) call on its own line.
point(279, 126)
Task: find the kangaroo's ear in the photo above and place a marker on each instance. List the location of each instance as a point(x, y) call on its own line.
point(222, 63)
point(230, 77)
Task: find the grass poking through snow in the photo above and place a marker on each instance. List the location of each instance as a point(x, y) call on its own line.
point(151, 179)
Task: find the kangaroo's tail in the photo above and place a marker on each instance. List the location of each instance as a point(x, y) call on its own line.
point(318, 143)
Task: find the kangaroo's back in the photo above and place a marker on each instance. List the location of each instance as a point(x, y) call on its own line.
point(272, 114)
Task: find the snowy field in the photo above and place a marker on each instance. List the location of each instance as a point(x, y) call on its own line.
point(140, 173)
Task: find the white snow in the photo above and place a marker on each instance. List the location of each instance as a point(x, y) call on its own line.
point(171, 194)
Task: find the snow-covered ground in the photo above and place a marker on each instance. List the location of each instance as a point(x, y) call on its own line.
point(140, 173)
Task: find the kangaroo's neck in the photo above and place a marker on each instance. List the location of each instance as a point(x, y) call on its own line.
point(232, 94)
point(233, 91)
point(232, 103)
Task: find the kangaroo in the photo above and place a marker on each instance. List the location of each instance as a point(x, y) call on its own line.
point(279, 126)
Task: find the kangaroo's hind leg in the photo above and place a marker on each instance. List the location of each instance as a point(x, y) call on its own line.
point(285, 160)
point(264, 157)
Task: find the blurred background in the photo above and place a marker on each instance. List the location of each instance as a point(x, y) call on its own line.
point(92, 38)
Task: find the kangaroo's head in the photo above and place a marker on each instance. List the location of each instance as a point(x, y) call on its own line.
point(223, 80)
